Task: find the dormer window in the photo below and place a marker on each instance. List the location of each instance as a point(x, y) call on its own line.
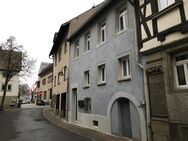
point(162, 4)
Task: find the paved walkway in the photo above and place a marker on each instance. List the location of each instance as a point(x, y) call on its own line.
point(89, 133)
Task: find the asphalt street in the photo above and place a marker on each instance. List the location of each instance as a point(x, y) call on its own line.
point(29, 124)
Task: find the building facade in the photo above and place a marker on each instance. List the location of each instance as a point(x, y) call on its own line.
point(163, 42)
point(60, 54)
point(12, 89)
point(7, 64)
point(44, 83)
point(105, 79)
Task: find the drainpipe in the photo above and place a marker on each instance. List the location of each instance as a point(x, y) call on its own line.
point(51, 104)
point(68, 94)
point(146, 94)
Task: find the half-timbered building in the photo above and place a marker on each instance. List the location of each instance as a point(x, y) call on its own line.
point(162, 34)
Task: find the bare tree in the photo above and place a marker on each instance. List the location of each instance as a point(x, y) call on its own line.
point(14, 61)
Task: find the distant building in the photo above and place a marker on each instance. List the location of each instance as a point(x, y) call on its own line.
point(25, 93)
point(13, 85)
point(44, 83)
point(12, 88)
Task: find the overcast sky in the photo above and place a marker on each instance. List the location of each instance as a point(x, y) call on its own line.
point(34, 22)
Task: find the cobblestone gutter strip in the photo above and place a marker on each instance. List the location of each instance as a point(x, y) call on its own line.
point(86, 132)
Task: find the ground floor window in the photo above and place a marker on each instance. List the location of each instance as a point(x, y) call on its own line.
point(181, 70)
point(9, 88)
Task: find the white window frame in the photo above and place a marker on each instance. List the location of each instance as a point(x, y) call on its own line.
point(87, 42)
point(102, 74)
point(76, 49)
point(103, 30)
point(162, 4)
point(86, 78)
point(121, 75)
point(122, 14)
point(185, 66)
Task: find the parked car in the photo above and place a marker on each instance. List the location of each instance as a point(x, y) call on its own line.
point(40, 102)
point(12, 102)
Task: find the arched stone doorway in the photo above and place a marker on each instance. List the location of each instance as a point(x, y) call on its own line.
point(126, 117)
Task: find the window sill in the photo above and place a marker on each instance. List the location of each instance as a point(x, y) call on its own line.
point(121, 32)
point(87, 52)
point(101, 44)
point(101, 84)
point(76, 58)
point(124, 79)
point(86, 87)
point(182, 87)
point(96, 127)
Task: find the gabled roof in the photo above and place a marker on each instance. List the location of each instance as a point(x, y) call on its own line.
point(96, 11)
point(77, 22)
point(73, 26)
point(58, 37)
point(45, 66)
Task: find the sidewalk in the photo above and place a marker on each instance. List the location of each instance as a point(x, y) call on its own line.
point(86, 132)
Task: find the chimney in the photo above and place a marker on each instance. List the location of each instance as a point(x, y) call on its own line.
point(93, 6)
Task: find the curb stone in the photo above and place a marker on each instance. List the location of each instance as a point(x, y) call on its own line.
point(94, 135)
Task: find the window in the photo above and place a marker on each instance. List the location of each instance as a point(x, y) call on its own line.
point(124, 65)
point(54, 81)
point(50, 78)
point(59, 54)
point(9, 88)
point(95, 123)
point(65, 73)
point(86, 78)
point(87, 105)
point(102, 74)
point(55, 59)
point(59, 78)
point(87, 42)
point(76, 49)
point(45, 95)
point(162, 4)
point(50, 93)
point(181, 70)
point(44, 81)
point(122, 20)
point(103, 32)
point(65, 48)
point(38, 84)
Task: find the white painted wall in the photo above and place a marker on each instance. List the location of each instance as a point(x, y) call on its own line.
point(15, 85)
